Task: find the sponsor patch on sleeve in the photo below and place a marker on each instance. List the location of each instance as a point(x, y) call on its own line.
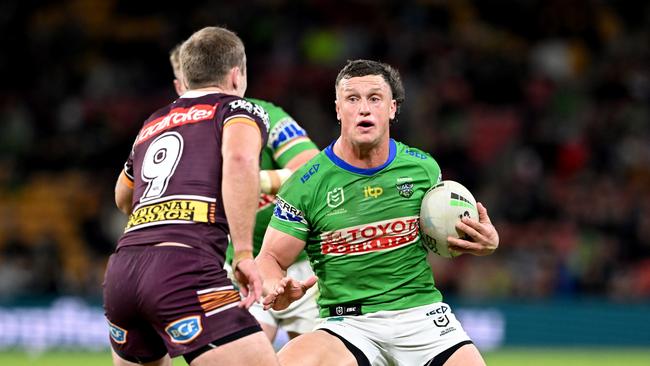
point(286, 212)
point(285, 132)
point(252, 108)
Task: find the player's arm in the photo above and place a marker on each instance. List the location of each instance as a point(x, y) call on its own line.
point(290, 147)
point(272, 180)
point(124, 193)
point(300, 159)
point(240, 190)
point(278, 252)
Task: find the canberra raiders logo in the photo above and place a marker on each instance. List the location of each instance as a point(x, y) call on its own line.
point(405, 186)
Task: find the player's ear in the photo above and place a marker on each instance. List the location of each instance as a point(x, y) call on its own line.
point(237, 78)
point(178, 86)
point(336, 105)
point(393, 109)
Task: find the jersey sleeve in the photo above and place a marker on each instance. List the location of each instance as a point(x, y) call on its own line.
point(289, 214)
point(286, 137)
point(427, 162)
point(243, 111)
point(433, 170)
point(128, 169)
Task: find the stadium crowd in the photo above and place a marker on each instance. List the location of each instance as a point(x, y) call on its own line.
point(545, 116)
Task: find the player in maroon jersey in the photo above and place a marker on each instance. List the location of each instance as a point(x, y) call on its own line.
point(191, 180)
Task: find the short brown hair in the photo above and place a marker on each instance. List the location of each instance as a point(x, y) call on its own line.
point(209, 54)
point(357, 68)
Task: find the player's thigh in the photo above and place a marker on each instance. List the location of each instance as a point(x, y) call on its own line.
point(317, 348)
point(269, 330)
point(119, 361)
point(254, 349)
point(467, 355)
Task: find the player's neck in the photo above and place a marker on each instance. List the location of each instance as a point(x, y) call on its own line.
point(216, 89)
point(362, 156)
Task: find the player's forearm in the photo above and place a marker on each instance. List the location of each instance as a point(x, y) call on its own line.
point(278, 252)
point(240, 189)
point(270, 270)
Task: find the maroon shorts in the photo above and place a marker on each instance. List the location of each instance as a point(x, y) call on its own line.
point(170, 299)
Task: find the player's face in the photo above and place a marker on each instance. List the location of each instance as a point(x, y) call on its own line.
point(365, 106)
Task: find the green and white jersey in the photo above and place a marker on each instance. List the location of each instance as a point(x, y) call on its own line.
point(361, 229)
point(286, 140)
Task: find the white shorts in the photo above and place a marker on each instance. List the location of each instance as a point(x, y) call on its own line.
point(401, 337)
point(302, 315)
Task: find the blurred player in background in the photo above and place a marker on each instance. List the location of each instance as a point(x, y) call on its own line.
point(192, 179)
point(287, 149)
point(357, 218)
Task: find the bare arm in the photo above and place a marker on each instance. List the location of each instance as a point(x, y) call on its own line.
point(272, 180)
point(300, 159)
point(124, 193)
point(241, 149)
point(240, 189)
point(278, 252)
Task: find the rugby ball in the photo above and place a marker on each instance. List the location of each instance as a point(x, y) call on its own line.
point(442, 207)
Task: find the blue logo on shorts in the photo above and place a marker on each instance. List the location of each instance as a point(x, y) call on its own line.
point(185, 330)
point(117, 334)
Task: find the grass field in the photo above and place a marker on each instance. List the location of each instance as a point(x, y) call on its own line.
point(504, 357)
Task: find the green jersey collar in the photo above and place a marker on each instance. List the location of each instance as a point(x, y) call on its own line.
point(392, 151)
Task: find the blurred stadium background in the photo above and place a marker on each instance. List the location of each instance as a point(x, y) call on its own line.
point(541, 108)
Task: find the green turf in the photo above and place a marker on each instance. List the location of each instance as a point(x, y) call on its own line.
point(568, 357)
point(503, 357)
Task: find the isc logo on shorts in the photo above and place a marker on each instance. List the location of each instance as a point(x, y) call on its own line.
point(184, 330)
point(118, 335)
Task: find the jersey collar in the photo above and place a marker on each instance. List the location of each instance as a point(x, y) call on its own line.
point(199, 93)
point(392, 151)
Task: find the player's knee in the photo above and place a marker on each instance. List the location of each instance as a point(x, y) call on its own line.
point(315, 349)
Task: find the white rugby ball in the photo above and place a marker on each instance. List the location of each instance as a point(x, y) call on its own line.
point(442, 207)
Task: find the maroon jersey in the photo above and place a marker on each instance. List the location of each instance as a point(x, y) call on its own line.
point(176, 169)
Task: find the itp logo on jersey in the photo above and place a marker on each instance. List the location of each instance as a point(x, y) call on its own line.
point(184, 330)
point(373, 192)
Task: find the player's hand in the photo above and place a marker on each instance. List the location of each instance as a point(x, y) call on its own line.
point(483, 237)
point(250, 282)
point(287, 291)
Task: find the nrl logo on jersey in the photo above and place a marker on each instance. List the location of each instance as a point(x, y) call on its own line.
point(404, 186)
point(335, 197)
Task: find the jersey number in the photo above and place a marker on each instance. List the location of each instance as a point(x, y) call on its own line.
point(159, 164)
